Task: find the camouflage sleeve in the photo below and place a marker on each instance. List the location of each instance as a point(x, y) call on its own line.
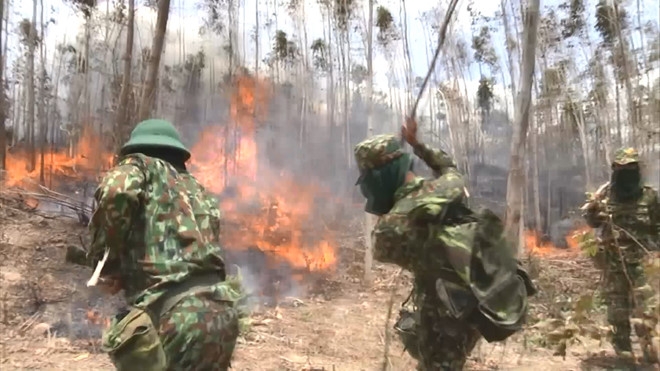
point(593, 215)
point(438, 160)
point(216, 216)
point(390, 239)
point(118, 198)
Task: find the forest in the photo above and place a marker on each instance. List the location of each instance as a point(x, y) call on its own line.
point(531, 98)
point(594, 85)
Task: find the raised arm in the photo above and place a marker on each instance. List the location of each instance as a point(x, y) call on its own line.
point(438, 160)
point(592, 210)
point(118, 199)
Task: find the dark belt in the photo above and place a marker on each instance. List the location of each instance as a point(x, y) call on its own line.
point(173, 295)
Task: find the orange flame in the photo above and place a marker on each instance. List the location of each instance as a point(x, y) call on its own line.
point(285, 206)
point(223, 154)
point(539, 246)
point(88, 160)
point(95, 318)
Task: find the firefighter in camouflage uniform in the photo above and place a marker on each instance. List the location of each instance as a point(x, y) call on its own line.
point(627, 215)
point(455, 254)
point(160, 230)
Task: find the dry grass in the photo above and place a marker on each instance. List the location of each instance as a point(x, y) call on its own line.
point(342, 329)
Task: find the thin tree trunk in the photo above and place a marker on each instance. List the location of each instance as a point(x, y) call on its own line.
point(3, 100)
point(369, 219)
point(516, 179)
point(624, 50)
point(122, 123)
point(154, 60)
point(256, 38)
point(43, 121)
point(509, 52)
point(32, 41)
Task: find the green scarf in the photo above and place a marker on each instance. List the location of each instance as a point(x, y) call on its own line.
point(379, 185)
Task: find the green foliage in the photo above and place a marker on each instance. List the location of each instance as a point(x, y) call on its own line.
point(387, 30)
point(569, 115)
point(553, 81)
point(319, 55)
point(214, 21)
point(293, 5)
point(343, 11)
point(587, 242)
point(462, 52)
point(358, 74)
point(24, 30)
point(622, 60)
point(384, 19)
point(84, 6)
point(598, 93)
point(574, 23)
point(284, 49)
point(484, 52)
point(549, 33)
point(607, 22)
point(195, 62)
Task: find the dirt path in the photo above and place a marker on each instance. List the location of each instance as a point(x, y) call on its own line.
point(45, 315)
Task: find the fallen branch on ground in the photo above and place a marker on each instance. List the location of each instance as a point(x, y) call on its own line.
point(46, 194)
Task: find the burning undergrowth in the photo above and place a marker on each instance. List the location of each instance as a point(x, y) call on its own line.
point(272, 225)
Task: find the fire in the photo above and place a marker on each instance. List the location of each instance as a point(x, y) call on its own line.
point(95, 318)
point(539, 246)
point(265, 209)
point(87, 161)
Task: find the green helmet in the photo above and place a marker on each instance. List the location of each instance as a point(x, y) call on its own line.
point(155, 133)
point(624, 156)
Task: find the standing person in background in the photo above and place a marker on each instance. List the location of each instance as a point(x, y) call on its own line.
point(628, 215)
point(158, 230)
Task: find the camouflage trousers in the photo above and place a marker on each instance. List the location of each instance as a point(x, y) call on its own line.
point(196, 334)
point(624, 303)
point(433, 337)
point(199, 334)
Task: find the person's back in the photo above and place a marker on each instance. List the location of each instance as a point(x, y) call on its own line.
point(456, 255)
point(168, 242)
point(161, 231)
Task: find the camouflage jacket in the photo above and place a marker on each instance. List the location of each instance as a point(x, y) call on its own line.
point(632, 223)
point(160, 227)
point(402, 236)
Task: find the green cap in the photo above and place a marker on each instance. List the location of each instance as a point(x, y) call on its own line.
point(624, 156)
point(377, 151)
point(155, 133)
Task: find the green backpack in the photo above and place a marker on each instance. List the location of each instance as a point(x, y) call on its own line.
point(487, 287)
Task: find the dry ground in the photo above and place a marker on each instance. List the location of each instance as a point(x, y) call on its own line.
point(44, 325)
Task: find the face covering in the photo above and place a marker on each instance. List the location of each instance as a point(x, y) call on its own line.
point(626, 184)
point(379, 185)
